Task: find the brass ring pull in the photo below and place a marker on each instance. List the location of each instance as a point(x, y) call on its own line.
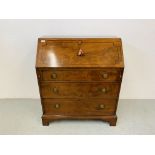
point(104, 90)
point(57, 106)
point(101, 106)
point(54, 76)
point(104, 75)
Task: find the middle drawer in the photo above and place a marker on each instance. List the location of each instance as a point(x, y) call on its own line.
point(79, 90)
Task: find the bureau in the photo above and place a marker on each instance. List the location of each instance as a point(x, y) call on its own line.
point(79, 78)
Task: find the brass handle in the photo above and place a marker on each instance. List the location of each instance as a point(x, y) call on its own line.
point(54, 76)
point(104, 75)
point(55, 90)
point(104, 90)
point(101, 106)
point(57, 106)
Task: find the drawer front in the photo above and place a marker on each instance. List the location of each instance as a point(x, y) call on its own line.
point(79, 107)
point(82, 75)
point(79, 90)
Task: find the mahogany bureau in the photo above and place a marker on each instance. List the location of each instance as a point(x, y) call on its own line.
point(79, 78)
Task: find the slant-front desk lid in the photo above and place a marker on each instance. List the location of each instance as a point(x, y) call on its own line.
point(79, 52)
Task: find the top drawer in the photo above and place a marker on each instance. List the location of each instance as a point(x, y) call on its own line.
point(82, 75)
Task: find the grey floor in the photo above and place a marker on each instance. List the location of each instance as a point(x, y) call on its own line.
point(23, 116)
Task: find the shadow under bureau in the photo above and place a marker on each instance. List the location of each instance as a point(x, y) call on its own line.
point(79, 78)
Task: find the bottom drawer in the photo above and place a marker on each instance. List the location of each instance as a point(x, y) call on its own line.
point(79, 107)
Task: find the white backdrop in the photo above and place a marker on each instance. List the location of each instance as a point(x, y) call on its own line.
point(18, 41)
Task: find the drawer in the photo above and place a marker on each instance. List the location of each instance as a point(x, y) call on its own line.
point(82, 75)
point(79, 107)
point(79, 89)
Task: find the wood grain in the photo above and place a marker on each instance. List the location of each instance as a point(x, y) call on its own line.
point(79, 86)
point(99, 52)
point(80, 107)
point(79, 90)
point(105, 75)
